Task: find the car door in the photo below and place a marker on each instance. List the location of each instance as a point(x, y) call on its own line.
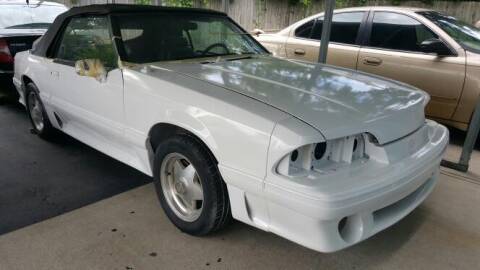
point(88, 108)
point(343, 49)
point(393, 51)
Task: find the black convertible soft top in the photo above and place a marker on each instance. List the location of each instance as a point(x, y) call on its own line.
point(40, 48)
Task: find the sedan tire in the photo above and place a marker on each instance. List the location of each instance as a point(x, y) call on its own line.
point(189, 186)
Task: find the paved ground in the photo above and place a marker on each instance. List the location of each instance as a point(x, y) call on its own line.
point(129, 231)
point(40, 180)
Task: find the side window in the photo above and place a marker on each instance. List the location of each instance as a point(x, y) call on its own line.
point(87, 38)
point(304, 30)
point(398, 32)
point(345, 27)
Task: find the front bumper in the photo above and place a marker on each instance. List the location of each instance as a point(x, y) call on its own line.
point(358, 203)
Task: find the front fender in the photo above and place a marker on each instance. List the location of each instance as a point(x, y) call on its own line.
point(235, 128)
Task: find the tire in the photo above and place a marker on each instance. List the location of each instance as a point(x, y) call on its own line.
point(172, 161)
point(37, 114)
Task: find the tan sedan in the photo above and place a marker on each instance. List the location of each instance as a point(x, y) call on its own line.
point(424, 48)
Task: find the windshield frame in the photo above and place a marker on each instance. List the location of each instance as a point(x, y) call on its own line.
point(123, 55)
point(428, 16)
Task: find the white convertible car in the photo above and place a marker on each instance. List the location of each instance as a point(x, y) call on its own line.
point(323, 156)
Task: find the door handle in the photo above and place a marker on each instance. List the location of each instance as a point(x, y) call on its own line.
point(372, 61)
point(299, 52)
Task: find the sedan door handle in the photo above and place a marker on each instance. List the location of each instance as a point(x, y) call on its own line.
point(372, 61)
point(299, 52)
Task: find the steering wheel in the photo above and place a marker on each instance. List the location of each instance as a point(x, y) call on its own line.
point(215, 45)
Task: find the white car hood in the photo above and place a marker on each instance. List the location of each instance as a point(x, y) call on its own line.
point(338, 102)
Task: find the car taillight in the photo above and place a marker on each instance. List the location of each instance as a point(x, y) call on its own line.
point(5, 56)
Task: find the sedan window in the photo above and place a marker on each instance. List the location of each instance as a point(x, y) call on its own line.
point(467, 35)
point(305, 30)
point(398, 32)
point(87, 38)
point(28, 16)
point(344, 29)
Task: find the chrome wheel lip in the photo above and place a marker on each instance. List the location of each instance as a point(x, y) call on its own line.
point(35, 110)
point(182, 187)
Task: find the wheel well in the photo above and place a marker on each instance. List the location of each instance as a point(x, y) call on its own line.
point(26, 80)
point(162, 131)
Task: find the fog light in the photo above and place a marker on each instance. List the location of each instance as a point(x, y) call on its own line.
point(351, 228)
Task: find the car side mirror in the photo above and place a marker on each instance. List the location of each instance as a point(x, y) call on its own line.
point(435, 45)
point(91, 68)
point(257, 32)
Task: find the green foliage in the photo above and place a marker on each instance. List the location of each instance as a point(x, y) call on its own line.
point(182, 3)
point(178, 3)
point(306, 2)
point(143, 2)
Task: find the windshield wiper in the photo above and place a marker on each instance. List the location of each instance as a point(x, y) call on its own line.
point(240, 58)
point(219, 58)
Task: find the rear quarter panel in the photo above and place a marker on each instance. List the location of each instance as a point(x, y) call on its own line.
point(35, 68)
point(20, 68)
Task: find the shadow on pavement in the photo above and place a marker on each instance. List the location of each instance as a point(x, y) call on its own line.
point(457, 137)
point(40, 179)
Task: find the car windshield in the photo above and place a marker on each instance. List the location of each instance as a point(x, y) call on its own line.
point(159, 36)
point(467, 35)
point(28, 16)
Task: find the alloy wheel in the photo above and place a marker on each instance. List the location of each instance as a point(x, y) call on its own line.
point(182, 187)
